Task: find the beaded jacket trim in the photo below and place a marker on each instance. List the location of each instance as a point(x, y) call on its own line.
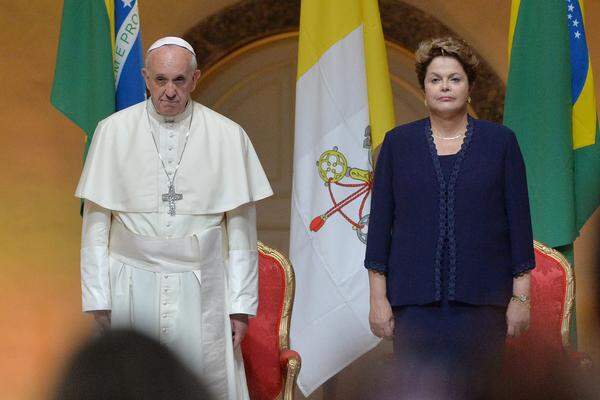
point(446, 210)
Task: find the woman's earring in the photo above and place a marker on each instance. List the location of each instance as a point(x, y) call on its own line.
point(425, 102)
point(469, 99)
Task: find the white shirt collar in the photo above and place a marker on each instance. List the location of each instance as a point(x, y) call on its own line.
point(163, 119)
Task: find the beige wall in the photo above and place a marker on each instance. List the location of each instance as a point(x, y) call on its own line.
point(41, 158)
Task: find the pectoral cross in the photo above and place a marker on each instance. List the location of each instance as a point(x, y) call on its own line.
point(172, 197)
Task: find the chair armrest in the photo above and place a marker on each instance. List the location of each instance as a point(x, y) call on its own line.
point(290, 365)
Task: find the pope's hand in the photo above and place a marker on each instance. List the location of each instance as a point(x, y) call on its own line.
point(381, 318)
point(517, 318)
point(239, 327)
point(102, 318)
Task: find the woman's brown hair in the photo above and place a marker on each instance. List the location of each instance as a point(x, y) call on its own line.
point(445, 47)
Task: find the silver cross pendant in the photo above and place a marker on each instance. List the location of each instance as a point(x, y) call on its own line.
point(172, 197)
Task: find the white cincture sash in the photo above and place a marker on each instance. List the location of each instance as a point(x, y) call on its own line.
point(165, 255)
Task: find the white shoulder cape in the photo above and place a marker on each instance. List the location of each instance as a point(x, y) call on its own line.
point(219, 170)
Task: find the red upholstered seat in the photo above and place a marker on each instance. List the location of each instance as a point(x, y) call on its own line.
point(545, 346)
point(271, 367)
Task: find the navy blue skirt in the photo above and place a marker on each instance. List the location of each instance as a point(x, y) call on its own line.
point(448, 350)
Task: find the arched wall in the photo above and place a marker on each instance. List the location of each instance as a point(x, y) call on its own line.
point(404, 26)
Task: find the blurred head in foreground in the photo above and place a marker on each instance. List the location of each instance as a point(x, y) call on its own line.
point(124, 365)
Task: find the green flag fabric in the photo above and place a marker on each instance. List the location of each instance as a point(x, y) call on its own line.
point(84, 85)
point(549, 82)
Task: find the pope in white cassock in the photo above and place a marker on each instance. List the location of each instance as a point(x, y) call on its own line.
point(169, 223)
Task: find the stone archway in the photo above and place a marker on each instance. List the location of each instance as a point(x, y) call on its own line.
point(404, 26)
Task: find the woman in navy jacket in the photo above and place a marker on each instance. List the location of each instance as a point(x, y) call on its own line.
point(449, 246)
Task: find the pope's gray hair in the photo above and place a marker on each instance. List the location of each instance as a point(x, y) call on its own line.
point(193, 61)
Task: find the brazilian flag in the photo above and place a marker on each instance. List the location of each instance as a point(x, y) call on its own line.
point(84, 82)
point(99, 61)
point(551, 107)
point(550, 104)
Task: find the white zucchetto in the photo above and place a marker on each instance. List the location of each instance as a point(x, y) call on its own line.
point(174, 40)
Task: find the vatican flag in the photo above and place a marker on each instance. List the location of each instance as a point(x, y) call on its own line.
point(343, 109)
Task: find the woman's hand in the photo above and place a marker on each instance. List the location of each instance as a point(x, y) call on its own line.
point(381, 318)
point(518, 313)
point(517, 318)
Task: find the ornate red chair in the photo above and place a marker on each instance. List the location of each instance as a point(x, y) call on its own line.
point(271, 367)
point(545, 346)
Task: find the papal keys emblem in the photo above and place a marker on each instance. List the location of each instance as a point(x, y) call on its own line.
point(334, 170)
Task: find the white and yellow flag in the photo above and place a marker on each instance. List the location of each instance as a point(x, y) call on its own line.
point(343, 109)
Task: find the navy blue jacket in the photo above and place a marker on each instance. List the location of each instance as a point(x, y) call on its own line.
point(481, 215)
